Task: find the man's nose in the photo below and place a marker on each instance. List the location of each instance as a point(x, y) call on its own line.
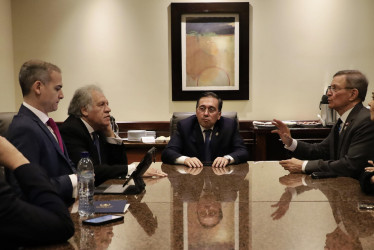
point(108, 108)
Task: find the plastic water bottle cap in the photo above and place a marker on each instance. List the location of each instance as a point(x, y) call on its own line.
point(85, 154)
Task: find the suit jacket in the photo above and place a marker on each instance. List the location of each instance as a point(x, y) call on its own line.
point(42, 219)
point(78, 139)
point(366, 186)
point(189, 141)
point(33, 139)
point(355, 147)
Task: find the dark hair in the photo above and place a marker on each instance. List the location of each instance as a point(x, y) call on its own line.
point(35, 70)
point(210, 94)
point(355, 79)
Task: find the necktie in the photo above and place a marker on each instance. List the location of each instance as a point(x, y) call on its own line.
point(336, 137)
point(207, 156)
point(51, 123)
point(96, 141)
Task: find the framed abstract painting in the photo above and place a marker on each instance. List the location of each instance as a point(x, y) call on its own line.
point(210, 50)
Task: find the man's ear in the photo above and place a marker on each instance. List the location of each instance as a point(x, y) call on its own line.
point(219, 115)
point(84, 111)
point(354, 95)
point(36, 87)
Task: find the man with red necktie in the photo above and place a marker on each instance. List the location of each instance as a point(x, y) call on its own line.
point(35, 134)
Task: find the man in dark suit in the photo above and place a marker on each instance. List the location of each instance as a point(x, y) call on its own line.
point(35, 134)
point(88, 128)
point(43, 218)
point(350, 143)
point(367, 178)
point(206, 137)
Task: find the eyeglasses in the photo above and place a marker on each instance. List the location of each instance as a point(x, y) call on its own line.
point(211, 110)
point(335, 89)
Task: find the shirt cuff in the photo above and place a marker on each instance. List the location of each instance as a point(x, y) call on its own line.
point(180, 160)
point(112, 140)
point(74, 183)
point(229, 157)
point(304, 166)
point(293, 145)
point(130, 169)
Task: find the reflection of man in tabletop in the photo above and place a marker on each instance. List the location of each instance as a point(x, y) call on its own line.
point(351, 223)
point(204, 202)
point(350, 143)
point(206, 137)
point(189, 184)
point(209, 209)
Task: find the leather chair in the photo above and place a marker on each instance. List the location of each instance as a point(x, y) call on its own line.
point(5, 120)
point(177, 116)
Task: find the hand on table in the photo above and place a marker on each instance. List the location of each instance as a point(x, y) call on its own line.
point(154, 172)
point(193, 162)
point(220, 162)
point(370, 169)
point(293, 165)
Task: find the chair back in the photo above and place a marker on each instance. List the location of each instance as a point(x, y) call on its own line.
point(5, 120)
point(178, 116)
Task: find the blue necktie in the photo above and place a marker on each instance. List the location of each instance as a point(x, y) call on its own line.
point(207, 156)
point(96, 141)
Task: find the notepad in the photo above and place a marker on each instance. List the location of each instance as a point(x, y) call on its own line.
point(115, 206)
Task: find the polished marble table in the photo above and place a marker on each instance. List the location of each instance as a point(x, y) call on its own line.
point(257, 205)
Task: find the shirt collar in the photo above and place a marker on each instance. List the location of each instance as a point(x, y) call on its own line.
point(88, 126)
point(344, 116)
point(202, 128)
point(42, 116)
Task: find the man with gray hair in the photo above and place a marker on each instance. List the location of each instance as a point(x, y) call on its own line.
point(88, 128)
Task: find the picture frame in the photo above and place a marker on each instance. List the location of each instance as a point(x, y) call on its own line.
point(210, 50)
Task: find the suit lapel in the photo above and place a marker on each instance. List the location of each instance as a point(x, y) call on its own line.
point(215, 138)
point(198, 139)
point(46, 131)
point(92, 147)
point(346, 127)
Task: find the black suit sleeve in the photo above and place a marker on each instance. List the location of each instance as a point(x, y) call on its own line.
point(42, 219)
point(366, 186)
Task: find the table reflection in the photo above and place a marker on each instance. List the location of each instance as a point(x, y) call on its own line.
point(351, 222)
point(207, 208)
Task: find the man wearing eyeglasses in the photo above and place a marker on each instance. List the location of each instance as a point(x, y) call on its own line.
point(349, 145)
point(206, 138)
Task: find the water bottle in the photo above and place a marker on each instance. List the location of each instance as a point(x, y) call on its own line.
point(86, 185)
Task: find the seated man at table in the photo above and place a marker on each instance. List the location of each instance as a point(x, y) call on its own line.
point(43, 218)
point(35, 134)
point(350, 143)
point(367, 178)
point(88, 128)
point(206, 137)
